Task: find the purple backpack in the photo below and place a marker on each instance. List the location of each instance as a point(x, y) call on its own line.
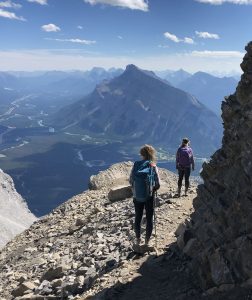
point(184, 156)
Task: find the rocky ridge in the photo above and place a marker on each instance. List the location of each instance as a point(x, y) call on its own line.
point(82, 241)
point(15, 216)
point(219, 237)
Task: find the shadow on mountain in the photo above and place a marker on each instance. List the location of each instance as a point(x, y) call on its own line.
point(166, 277)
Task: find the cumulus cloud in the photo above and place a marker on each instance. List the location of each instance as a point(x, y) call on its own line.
point(10, 15)
point(175, 39)
point(80, 27)
point(219, 2)
point(42, 2)
point(131, 4)
point(50, 28)
point(218, 54)
point(10, 4)
point(78, 41)
point(172, 37)
point(207, 35)
point(188, 40)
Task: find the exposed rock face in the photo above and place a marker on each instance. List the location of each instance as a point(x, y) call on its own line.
point(15, 216)
point(219, 240)
point(62, 254)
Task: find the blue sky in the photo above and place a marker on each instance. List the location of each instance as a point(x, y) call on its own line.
point(207, 35)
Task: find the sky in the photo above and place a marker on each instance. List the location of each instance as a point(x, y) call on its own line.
point(206, 35)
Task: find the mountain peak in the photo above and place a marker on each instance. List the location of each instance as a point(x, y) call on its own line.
point(132, 67)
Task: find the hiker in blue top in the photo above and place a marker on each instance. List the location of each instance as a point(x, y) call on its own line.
point(145, 181)
point(184, 163)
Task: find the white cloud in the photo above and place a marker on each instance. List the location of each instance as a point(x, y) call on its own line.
point(218, 54)
point(10, 4)
point(207, 35)
point(80, 27)
point(175, 39)
point(50, 28)
point(119, 37)
point(77, 41)
point(219, 2)
point(188, 40)
point(131, 4)
point(10, 15)
point(42, 2)
point(172, 37)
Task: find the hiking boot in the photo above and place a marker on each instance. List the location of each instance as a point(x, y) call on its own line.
point(147, 247)
point(186, 190)
point(147, 242)
point(136, 246)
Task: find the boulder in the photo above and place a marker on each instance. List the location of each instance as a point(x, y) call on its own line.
point(120, 193)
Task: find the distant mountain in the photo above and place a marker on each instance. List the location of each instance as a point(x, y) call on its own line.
point(15, 216)
point(52, 89)
point(139, 107)
point(7, 80)
point(72, 82)
point(8, 85)
point(208, 89)
point(81, 83)
point(176, 77)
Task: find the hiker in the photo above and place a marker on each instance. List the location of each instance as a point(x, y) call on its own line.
point(184, 163)
point(145, 181)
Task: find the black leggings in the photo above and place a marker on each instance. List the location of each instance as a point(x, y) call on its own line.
point(139, 207)
point(184, 172)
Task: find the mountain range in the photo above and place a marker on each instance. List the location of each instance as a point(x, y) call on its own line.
point(139, 107)
point(208, 89)
point(57, 81)
point(174, 77)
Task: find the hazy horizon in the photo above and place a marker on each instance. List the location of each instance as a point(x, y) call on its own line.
point(216, 73)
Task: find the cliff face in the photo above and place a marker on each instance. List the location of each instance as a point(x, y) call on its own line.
point(15, 216)
point(219, 238)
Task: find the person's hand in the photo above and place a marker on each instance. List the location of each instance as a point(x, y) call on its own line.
point(193, 168)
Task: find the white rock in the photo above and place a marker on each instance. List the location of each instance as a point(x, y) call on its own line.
point(15, 216)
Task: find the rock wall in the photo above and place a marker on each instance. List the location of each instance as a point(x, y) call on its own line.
point(219, 236)
point(15, 216)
